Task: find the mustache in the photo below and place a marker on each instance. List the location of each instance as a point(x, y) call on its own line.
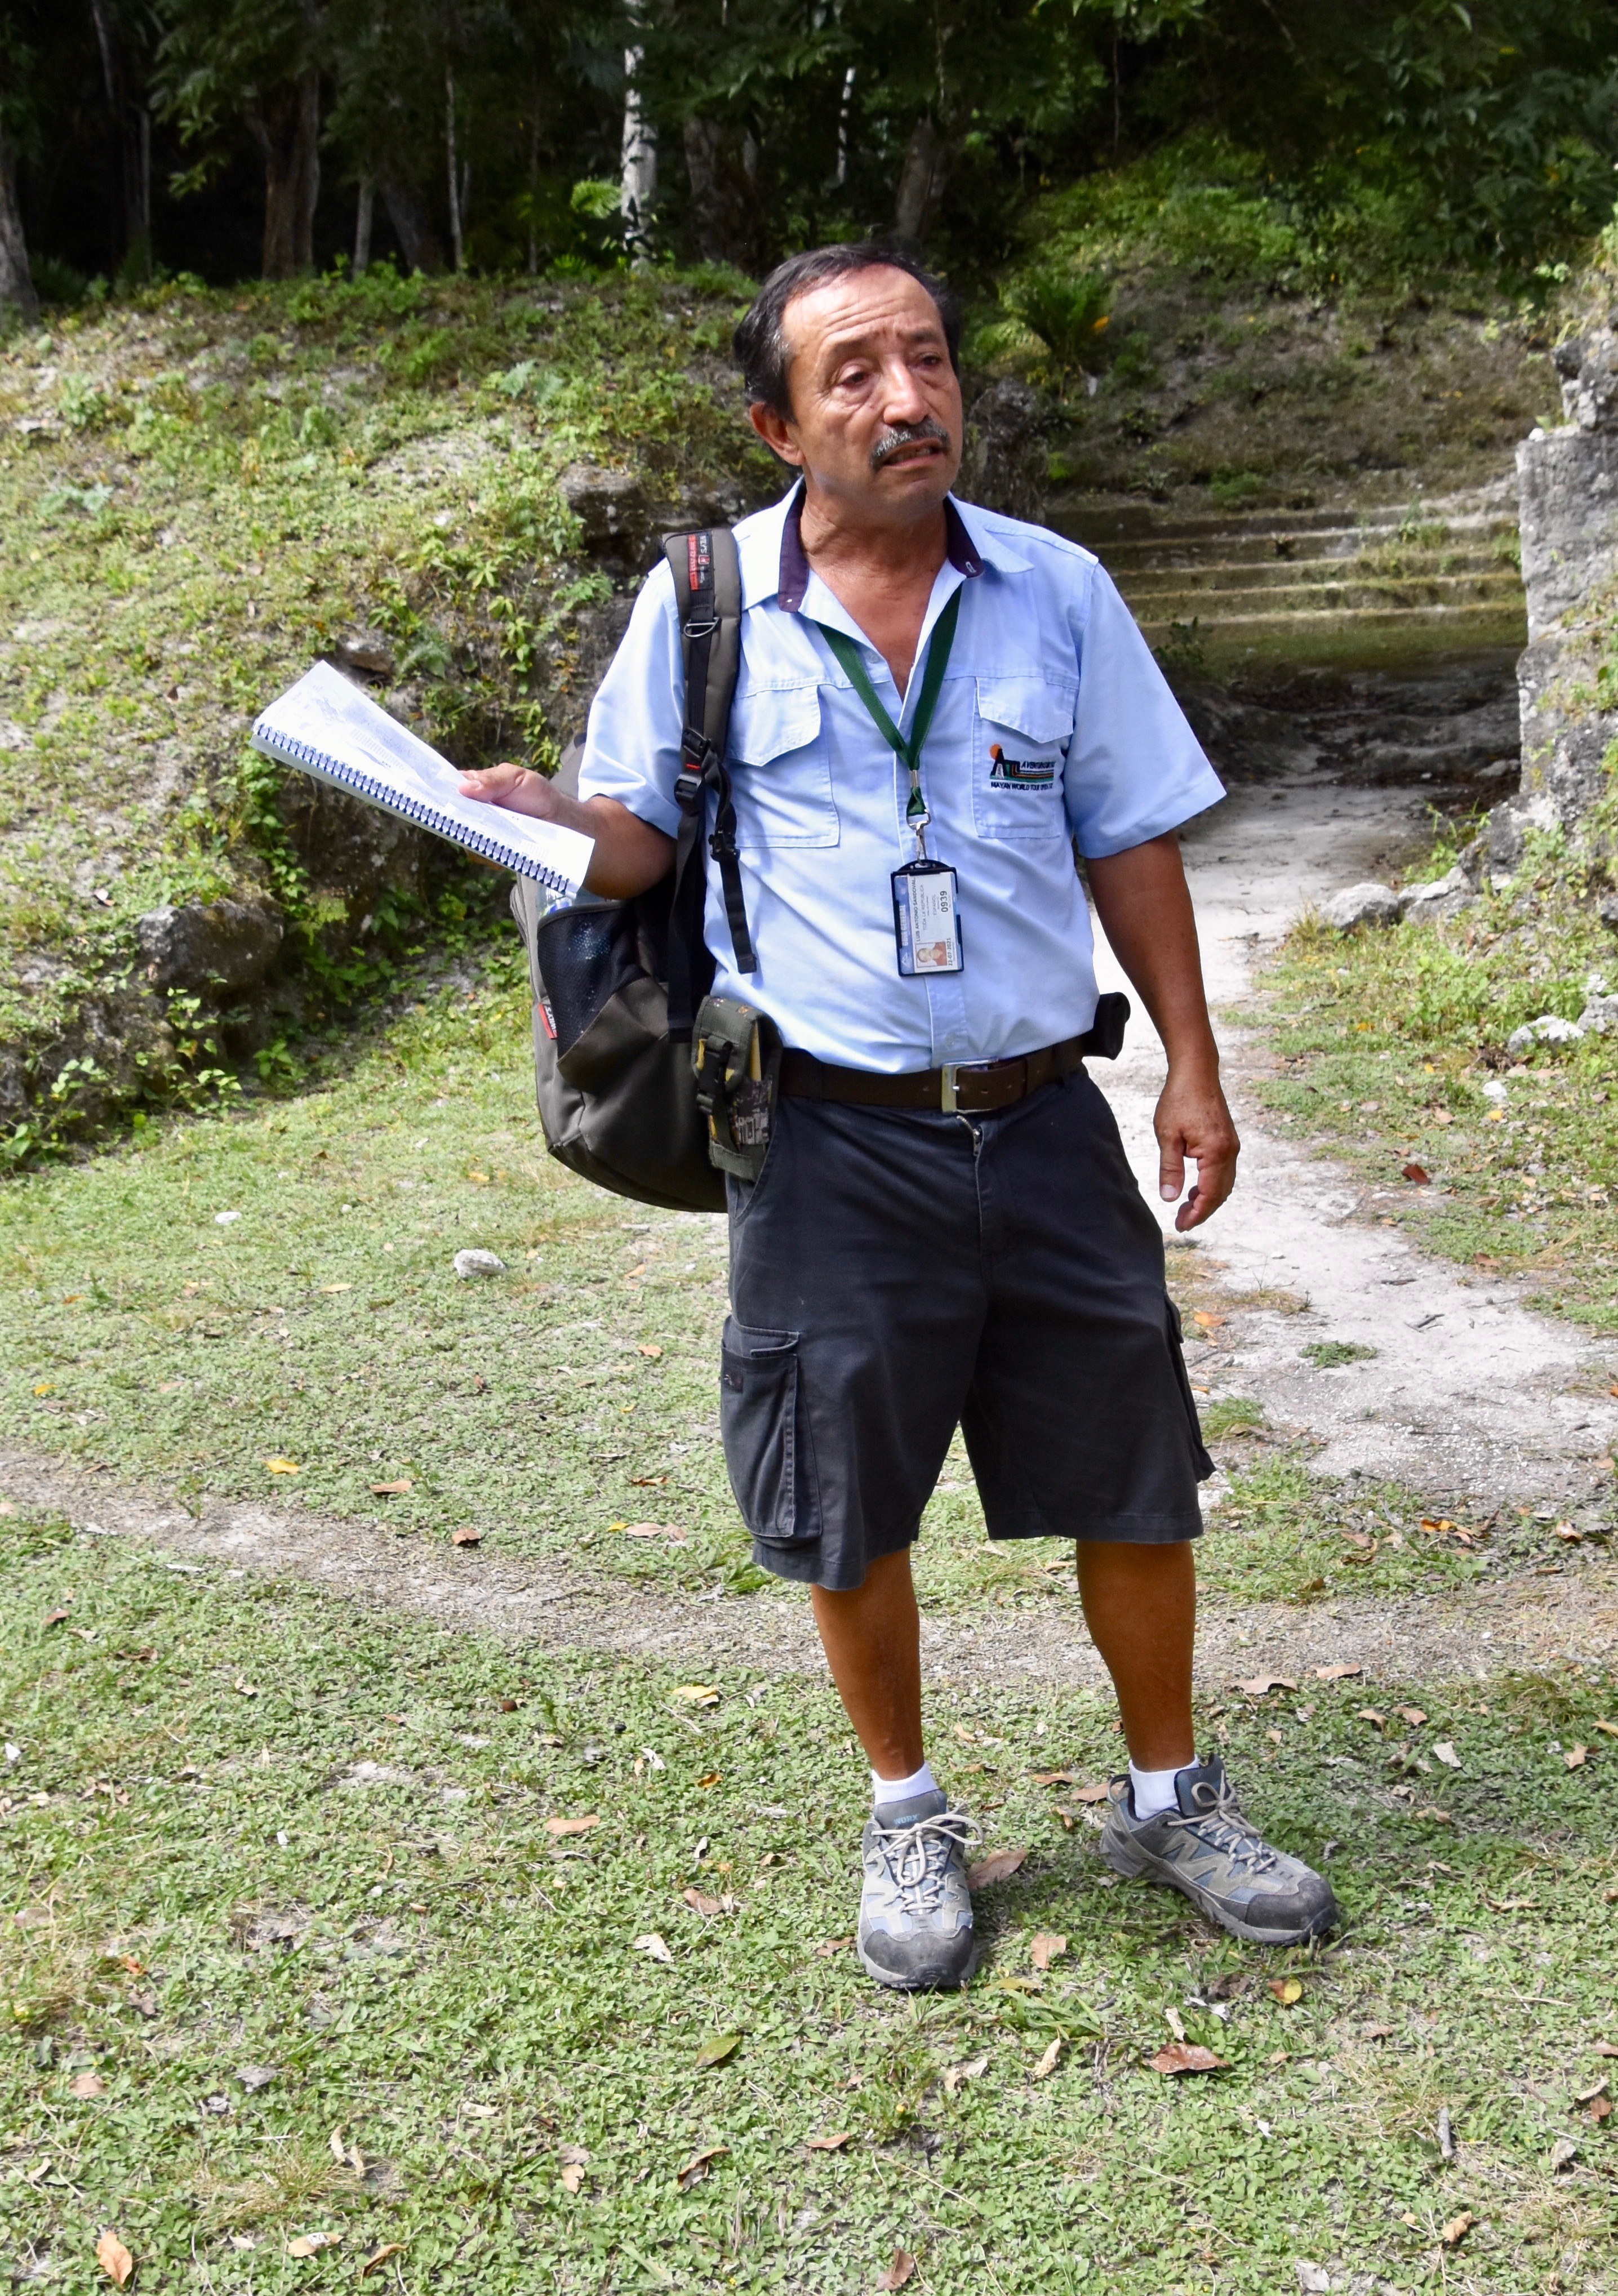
point(908, 434)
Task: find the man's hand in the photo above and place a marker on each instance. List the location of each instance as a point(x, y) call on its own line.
point(630, 856)
point(1193, 1121)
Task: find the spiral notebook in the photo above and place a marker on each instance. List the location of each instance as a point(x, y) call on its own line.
point(326, 727)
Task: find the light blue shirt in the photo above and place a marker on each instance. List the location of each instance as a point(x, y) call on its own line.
point(1053, 724)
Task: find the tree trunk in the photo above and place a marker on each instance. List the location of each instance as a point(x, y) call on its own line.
point(412, 227)
point(920, 183)
point(286, 128)
point(132, 126)
point(18, 300)
point(840, 176)
point(638, 178)
point(723, 172)
point(456, 246)
point(362, 216)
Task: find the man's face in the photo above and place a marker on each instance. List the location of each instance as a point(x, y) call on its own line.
point(876, 407)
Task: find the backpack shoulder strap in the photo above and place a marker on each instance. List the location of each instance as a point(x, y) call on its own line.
point(707, 573)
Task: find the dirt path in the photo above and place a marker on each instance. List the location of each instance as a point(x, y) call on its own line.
point(1470, 1393)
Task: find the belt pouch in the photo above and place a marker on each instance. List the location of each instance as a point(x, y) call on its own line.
point(735, 1056)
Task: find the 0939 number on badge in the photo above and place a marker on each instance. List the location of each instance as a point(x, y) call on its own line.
point(926, 918)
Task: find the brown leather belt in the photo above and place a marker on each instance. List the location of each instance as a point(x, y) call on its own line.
point(971, 1088)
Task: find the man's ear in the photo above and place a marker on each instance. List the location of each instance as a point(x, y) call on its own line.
point(777, 432)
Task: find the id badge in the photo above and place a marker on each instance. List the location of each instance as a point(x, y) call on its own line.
point(926, 918)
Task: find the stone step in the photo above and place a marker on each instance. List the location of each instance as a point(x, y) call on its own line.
point(1085, 519)
point(1289, 574)
point(1287, 548)
point(1472, 616)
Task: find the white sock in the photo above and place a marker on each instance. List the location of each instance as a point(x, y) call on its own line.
point(889, 1790)
point(1154, 1789)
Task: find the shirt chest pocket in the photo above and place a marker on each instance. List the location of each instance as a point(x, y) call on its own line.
point(780, 769)
point(1020, 739)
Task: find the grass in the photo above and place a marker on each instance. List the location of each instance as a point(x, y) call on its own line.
point(389, 2004)
point(200, 492)
point(1390, 1053)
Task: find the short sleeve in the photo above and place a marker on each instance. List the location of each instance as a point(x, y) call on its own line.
point(632, 742)
point(1135, 769)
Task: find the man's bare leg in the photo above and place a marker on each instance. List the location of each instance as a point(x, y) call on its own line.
point(1140, 1607)
point(872, 1640)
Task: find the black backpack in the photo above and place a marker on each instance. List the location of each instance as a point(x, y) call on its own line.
point(617, 984)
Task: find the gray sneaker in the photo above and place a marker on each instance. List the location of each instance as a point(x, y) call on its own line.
point(1218, 1857)
point(915, 1908)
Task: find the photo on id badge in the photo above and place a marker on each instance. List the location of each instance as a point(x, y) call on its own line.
point(926, 918)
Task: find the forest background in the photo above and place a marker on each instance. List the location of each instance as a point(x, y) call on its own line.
point(221, 137)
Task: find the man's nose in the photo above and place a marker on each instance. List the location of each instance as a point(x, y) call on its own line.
point(903, 400)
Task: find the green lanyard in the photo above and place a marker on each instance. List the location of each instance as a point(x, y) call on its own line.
point(907, 752)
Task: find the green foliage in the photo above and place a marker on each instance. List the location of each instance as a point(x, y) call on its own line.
point(1331, 1354)
point(1069, 315)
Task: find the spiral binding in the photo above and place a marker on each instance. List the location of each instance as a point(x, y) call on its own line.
point(409, 808)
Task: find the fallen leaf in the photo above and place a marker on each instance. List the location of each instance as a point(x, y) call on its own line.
point(1047, 1946)
point(1605, 2049)
point(1209, 1322)
point(718, 2048)
point(334, 2145)
point(650, 1349)
point(1092, 1793)
point(1588, 2096)
point(829, 2144)
point(467, 1536)
point(698, 2166)
point(1458, 2227)
point(55, 1617)
point(1437, 1817)
point(253, 2077)
point(711, 1779)
point(1344, 1672)
point(1047, 2063)
point(1601, 2108)
point(1575, 1758)
point(281, 1466)
point(1286, 1990)
point(1055, 1778)
point(558, 1826)
point(1230, 1986)
point(956, 2076)
point(1377, 2033)
point(901, 2264)
point(701, 1903)
point(1000, 1865)
point(1185, 2057)
point(380, 2256)
point(827, 1947)
point(574, 2160)
point(1562, 2152)
point(243, 1689)
point(88, 2085)
point(332, 1288)
point(1570, 1531)
point(1607, 1729)
point(1413, 1714)
point(1369, 1714)
point(310, 2243)
point(1259, 1686)
point(1445, 1752)
point(1417, 1173)
point(698, 1694)
point(653, 1945)
point(392, 1491)
point(675, 1533)
point(114, 2258)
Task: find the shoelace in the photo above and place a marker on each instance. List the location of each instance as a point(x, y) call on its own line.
point(918, 1856)
point(1219, 1820)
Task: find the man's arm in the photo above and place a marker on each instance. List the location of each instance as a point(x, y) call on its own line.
point(630, 856)
point(1144, 906)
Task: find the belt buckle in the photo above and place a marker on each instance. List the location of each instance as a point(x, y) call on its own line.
point(951, 1073)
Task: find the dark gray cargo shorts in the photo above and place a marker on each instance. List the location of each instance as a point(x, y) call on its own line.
point(896, 1273)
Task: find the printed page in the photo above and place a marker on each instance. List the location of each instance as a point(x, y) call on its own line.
point(326, 712)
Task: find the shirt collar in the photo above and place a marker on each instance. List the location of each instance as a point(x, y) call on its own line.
point(961, 550)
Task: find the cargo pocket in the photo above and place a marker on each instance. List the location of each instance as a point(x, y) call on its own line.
point(1199, 1450)
point(766, 1445)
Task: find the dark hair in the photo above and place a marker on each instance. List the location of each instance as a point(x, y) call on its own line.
point(760, 342)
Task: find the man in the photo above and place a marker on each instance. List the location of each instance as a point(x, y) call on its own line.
point(934, 703)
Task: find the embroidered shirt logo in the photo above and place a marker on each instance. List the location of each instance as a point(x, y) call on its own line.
point(1020, 772)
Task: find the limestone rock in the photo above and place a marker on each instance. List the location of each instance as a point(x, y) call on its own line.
point(1600, 1014)
point(368, 652)
point(1550, 1028)
point(220, 944)
point(1508, 827)
point(610, 506)
point(1003, 465)
point(1445, 896)
point(1368, 904)
point(470, 1266)
point(1607, 911)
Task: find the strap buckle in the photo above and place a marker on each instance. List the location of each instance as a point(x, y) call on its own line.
point(950, 1075)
